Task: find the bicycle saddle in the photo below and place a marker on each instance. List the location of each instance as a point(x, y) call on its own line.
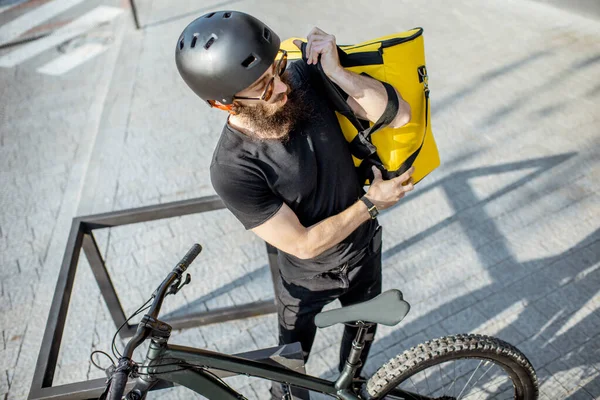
point(389, 308)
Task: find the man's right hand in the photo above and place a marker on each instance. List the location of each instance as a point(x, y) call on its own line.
point(384, 194)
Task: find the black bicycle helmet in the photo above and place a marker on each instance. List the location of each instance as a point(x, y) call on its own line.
point(224, 52)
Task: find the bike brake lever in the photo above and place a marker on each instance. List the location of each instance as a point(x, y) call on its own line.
point(176, 287)
point(110, 370)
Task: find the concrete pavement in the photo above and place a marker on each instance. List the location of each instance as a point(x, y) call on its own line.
point(502, 239)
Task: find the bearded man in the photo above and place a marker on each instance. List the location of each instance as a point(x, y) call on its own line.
point(284, 169)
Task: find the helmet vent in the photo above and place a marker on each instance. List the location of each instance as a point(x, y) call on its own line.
point(210, 42)
point(267, 35)
point(250, 61)
point(181, 44)
point(209, 15)
point(194, 40)
point(227, 15)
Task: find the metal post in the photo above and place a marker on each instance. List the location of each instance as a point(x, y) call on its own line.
point(81, 236)
point(135, 14)
point(92, 252)
point(221, 315)
point(153, 213)
point(46, 364)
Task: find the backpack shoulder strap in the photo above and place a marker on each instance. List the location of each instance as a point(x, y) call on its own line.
point(361, 146)
point(391, 109)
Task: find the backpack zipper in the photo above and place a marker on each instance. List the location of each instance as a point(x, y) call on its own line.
point(388, 42)
point(393, 42)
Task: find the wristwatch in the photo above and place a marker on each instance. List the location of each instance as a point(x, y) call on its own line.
point(373, 211)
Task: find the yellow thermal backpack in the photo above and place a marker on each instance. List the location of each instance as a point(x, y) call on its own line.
point(397, 60)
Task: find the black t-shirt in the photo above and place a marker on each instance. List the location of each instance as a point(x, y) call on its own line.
point(312, 172)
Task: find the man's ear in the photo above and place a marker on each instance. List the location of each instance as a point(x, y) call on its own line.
point(221, 106)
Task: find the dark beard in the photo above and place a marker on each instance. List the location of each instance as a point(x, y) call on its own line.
point(269, 123)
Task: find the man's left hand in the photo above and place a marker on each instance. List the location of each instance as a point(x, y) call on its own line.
point(321, 43)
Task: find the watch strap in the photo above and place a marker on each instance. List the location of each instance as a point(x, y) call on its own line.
point(373, 211)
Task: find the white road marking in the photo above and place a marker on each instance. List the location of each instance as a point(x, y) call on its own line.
point(77, 27)
point(25, 22)
point(8, 7)
point(68, 61)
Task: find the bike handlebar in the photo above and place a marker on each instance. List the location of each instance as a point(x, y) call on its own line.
point(188, 258)
point(119, 378)
point(173, 276)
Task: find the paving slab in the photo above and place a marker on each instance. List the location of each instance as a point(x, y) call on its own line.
point(502, 239)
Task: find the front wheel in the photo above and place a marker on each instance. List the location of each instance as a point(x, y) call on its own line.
point(456, 367)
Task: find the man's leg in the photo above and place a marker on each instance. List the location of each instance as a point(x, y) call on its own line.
point(296, 309)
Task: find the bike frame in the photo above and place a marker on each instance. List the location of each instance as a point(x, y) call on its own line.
point(190, 367)
point(207, 385)
point(202, 382)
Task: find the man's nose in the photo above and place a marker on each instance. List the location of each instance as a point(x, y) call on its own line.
point(280, 87)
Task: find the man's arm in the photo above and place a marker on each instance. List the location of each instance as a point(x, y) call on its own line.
point(285, 231)
point(367, 96)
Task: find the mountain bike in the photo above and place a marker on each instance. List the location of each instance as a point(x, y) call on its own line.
point(465, 366)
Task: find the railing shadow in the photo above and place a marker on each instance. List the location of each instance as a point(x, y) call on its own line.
point(458, 183)
point(197, 304)
point(536, 92)
point(484, 79)
point(544, 330)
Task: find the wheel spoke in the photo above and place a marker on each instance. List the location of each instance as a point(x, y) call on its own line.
point(412, 395)
point(479, 391)
point(427, 382)
point(471, 377)
point(443, 379)
point(453, 381)
point(474, 375)
point(416, 390)
point(476, 382)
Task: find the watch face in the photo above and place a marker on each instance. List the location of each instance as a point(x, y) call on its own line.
point(373, 211)
point(371, 208)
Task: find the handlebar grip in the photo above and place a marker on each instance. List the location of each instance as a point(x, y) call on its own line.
point(117, 386)
point(189, 257)
point(118, 379)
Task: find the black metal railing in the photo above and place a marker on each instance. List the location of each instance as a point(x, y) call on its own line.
point(81, 236)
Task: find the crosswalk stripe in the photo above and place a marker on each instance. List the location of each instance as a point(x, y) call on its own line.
point(13, 4)
point(67, 62)
point(27, 21)
point(75, 28)
point(8, 7)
